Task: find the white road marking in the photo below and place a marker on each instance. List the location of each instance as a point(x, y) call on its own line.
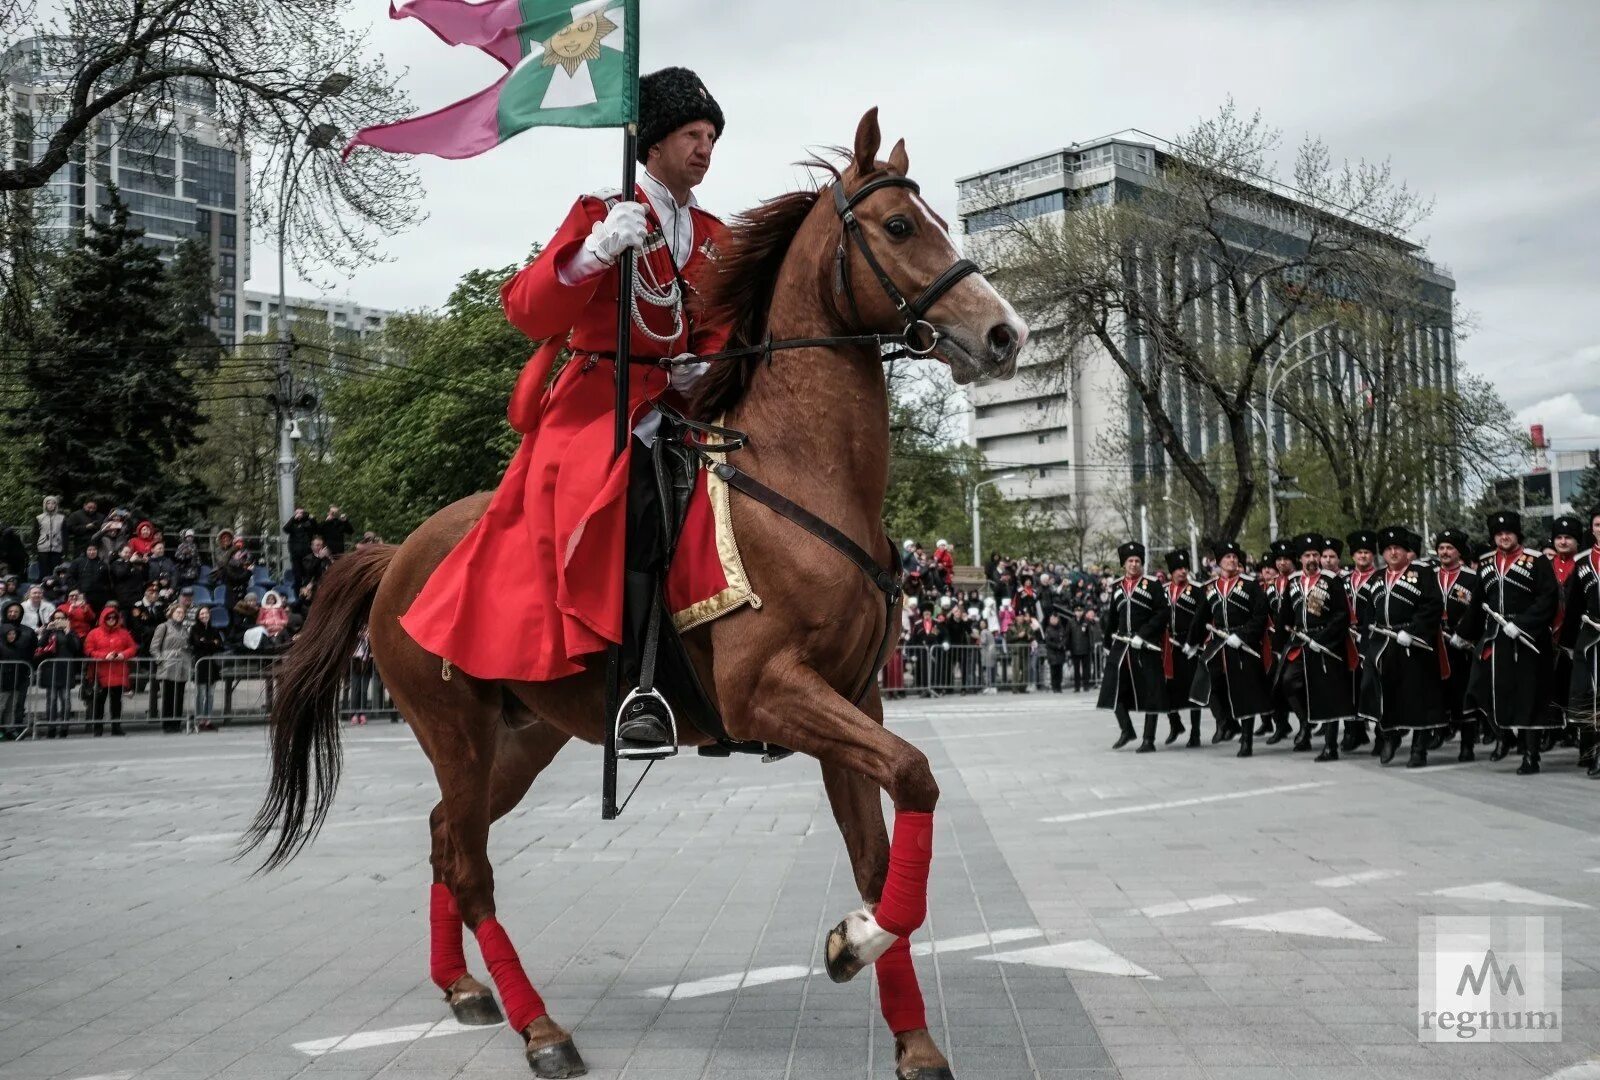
point(1345, 880)
point(979, 735)
point(1583, 1070)
point(1196, 801)
point(736, 980)
point(1077, 956)
point(1506, 893)
point(107, 1076)
point(363, 1040)
point(1307, 922)
point(1182, 907)
point(359, 823)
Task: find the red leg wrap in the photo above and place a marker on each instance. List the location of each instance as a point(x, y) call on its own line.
point(898, 992)
point(447, 962)
point(904, 903)
point(523, 1003)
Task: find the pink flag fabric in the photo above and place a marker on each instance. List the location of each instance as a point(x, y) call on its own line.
point(490, 25)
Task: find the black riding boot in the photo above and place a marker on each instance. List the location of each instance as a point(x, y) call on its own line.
point(1386, 744)
point(1330, 742)
point(1421, 743)
point(1302, 738)
point(1378, 743)
point(1280, 728)
point(1469, 737)
point(1355, 735)
point(1194, 728)
point(1175, 729)
point(1530, 740)
point(1148, 746)
point(1246, 738)
point(1125, 723)
point(1505, 741)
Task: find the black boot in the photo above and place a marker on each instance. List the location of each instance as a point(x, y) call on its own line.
point(1355, 736)
point(1469, 736)
point(1265, 726)
point(1421, 742)
point(1385, 746)
point(1148, 746)
point(1246, 736)
point(1507, 740)
point(1125, 723)
point(1378, 742)
point(1222, 731)
point(1330, 743)
point(1530, 740)
point(1194, 728)
point(1302, 738)
point(1175, 730)
point(1280, 727)
point(1230, 731)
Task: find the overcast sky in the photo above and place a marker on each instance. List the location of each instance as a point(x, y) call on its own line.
point(1488, 107)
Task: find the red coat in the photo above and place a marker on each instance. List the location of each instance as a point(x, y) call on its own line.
point(105, 642)
point(537, 584)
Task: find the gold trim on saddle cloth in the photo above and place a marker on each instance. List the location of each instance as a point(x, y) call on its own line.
point(738, 592)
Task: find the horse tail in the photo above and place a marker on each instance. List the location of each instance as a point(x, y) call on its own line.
point(306, 756)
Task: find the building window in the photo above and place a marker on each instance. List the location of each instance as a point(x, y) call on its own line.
point(252, 324)
point(1041, 439)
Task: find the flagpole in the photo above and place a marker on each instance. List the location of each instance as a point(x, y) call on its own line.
point(621, 432)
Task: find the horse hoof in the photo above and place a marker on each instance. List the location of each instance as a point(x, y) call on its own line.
point(558, 1061)
point(926, 1072)
point(477, 1010)
point(857, 941)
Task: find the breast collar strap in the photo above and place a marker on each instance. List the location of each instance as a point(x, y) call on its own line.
point(919, 334)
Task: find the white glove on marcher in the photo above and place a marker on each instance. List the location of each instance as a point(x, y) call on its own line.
point(1513, 631)
point(1404, 639)
point(623, 228)
point(1190, 651)
point(683, 375)
point(1233, 641)
point(1459, 642)
point(1137, 642)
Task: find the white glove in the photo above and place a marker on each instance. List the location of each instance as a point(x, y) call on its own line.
point(1136, 643)
point(623, 228)
point(1233, 641)
point(1513, 631)
point(1459, 642)
point(684, 375)
point(1403, 639)
point(1190, 651)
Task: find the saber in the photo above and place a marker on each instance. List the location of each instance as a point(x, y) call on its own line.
point(1317, 646)
point(1142, 644)
point(1224, 636)
point(1520, 639)
point(1395, 635)
point(1590, 622)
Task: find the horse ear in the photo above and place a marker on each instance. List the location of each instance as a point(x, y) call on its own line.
point(868, 139)
point(898, 161)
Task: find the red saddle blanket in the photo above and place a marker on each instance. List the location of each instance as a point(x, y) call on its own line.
point(707, 578)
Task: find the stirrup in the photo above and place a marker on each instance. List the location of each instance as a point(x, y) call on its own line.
point(650, 703)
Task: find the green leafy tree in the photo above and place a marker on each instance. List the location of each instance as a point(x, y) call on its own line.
point(108, 399)
point(1587, 497)
point(423, 422)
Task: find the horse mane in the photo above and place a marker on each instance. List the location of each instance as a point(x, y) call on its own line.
point(738, 293)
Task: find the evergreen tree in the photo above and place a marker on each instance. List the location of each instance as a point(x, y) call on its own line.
point(1587, 497)
point(111, 397)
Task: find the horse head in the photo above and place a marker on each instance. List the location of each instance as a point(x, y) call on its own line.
point(974, 331)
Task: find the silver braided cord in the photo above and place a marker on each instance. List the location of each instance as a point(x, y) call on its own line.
point(668, 296)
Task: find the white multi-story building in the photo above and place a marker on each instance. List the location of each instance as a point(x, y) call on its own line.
point(184, 179)
point(345, 320)
point(1046, 435)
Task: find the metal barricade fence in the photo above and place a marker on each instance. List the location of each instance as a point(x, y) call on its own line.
point(927, 670)
point(96, 693)
point(16, 681)
point(233, 689)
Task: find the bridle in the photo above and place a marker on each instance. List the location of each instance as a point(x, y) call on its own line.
point(917, 338)
point(914, 312)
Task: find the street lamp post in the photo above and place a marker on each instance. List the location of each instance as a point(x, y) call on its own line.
point(320, 137)
point(977, 534)
point(1276, 373)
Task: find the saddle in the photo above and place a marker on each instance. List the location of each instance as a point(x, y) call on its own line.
point(675, 463)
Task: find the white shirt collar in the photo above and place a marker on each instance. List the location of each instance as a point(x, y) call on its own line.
point(677, 226)
point(660, 195)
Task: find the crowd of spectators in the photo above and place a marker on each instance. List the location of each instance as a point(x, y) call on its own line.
point(111, 589)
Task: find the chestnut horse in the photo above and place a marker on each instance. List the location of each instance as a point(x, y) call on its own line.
point(818, 422)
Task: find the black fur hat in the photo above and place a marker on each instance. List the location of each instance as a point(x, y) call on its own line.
point(669, 99)
point(1130, 549)
point(1178, 558)
point(1505, 521)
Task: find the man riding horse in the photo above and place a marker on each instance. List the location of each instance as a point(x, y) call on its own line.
point(554, 537)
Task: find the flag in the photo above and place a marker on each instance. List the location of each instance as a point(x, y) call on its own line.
point(570, 66)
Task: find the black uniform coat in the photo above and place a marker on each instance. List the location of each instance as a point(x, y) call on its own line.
point(1580, 632)
point(1400, 688)
point(1234, 673)
point(1185, 606)
point(1463, 618)
point(1317, 683)
point(1558, 669)
point(1134, 678)
point(1508, 676)
point(1354, 580)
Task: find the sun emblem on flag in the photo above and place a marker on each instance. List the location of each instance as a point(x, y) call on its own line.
point(577, 42)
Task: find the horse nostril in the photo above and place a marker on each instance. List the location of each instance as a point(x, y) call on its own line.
point(1002, 339)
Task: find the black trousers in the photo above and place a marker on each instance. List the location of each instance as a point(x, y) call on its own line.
point(1055, 675)
point(1080, 672)
point(644, 557)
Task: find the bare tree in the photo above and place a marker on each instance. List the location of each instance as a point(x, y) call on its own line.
point(282, 77)
point(1193, 288)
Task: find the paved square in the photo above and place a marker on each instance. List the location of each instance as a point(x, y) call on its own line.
point(1093, 914)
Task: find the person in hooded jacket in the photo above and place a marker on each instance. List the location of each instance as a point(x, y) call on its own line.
point(90, 576)
point(144, 538)
point(16, 670)
point(129, 575)
point(186, 560)
point(79, 614)
point(54, 652)
point(50, 536)
point(110, 646)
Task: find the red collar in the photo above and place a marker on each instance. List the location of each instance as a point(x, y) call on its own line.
point(1503, 560)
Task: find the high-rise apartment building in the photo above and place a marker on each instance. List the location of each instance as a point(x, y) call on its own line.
point(345, 319)
point(180, 175)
